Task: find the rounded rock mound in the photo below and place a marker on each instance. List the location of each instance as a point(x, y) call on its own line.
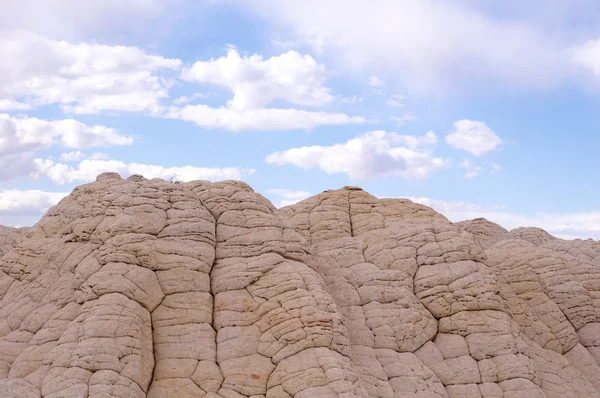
point(145, 288)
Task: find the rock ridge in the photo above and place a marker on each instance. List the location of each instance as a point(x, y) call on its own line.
point(146, 288)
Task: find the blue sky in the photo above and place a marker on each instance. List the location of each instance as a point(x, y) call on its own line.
point(474, 108)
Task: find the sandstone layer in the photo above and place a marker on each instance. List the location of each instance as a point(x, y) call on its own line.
point(145, 288)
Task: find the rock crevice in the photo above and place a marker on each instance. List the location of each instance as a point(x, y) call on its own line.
point(144, 288)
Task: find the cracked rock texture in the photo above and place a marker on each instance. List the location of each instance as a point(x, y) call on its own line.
point(144, 288)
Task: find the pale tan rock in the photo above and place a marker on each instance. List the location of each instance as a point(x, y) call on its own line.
point(486, 233)
point(537, 236)
point(144, 288)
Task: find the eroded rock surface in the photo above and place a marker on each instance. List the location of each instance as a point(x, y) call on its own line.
point(144, 288)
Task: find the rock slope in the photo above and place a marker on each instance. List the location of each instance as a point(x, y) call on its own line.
point(144, 288)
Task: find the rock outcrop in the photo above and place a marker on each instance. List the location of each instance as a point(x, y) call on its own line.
point(144, 288)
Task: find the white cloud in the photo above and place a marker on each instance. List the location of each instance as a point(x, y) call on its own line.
point(396, 101)
point(33, 202)
point(351, 100)
point(473, 170)
point(562, 225)
point(289, 197)
point(74, 18)
point(373, 154)
point(12, 105)
point(20, 138)
point(75, 156)
point(25, 208)
point(26, 134)
point(266, 119)
point(406, 117)
point(13, 165)
point(376, 82)
point(256, 82)
point(82, 77)
point(430, 45)
point(185, 99)
point(88, 169)
point(588, 55)
point(495, 168)
point(473, 136)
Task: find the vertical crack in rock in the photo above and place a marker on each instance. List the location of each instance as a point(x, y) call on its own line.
point(350, 213)
point(219, 380)
point(142, 288)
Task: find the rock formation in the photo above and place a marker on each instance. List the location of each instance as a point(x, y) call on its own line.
point(144, 288)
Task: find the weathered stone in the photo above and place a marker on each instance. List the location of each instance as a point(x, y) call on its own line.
point(144, 288)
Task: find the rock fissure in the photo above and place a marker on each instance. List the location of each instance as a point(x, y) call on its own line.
point(205, 289)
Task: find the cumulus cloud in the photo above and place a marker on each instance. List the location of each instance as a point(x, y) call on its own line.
point(75, 156)
point(375, 82)
point(288, 197)
point(376, 153)
point(588, 55)
point(353, 99)
point(24, 208)
point(563, 225)
point(187, 99)
point(474, 137)
point(75, 18)
point(428, 44)
point(256, 81)
point(25, 134)
point(266, 119)
point(18, 202)
point(82, 77)
point(473, 170)
point(12, 105)
point(20, 138)
point(88, 169)
point(402, 120)
point(396, 101)
point(495, 168)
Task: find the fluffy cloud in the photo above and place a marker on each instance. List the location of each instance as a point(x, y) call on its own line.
point(256, 82)
point(376, 82)
point(82, 77)
point(430, 44)
point(75, 156)
point(354, 99)
point(562, 225)
point(88, 169)
point(588, 56)
point(185, 99)
point(396, 101)
point(14, 201)
point(473, 170)
point(24, 208)
point(20, 138)
point(28, 134)
point(376, 153)
point(12, 105)
point(13, 165)
point(495, 168)
point(406, 117)
point(289, 197)
point(474, 137)
point(74, 18)
point(266, 119)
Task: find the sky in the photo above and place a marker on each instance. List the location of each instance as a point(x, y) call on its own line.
point(475, 108)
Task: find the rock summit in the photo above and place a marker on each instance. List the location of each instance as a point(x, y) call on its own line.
point(144, 288)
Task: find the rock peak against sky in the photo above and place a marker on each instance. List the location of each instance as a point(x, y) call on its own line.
point(148, 288)
point(475, 108)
